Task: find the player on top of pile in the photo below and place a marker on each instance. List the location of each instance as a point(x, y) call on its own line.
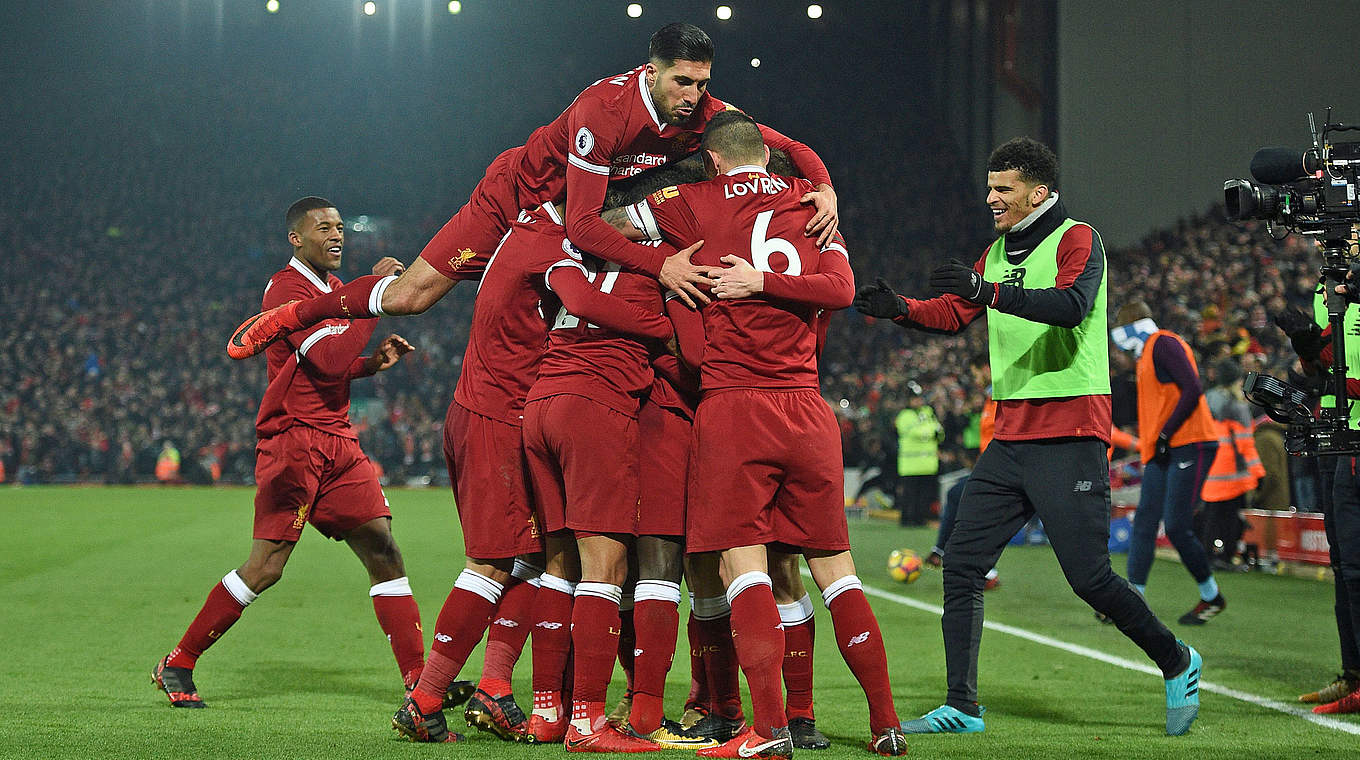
point(618, 127)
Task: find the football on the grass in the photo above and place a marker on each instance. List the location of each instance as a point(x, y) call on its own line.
point(904, 565)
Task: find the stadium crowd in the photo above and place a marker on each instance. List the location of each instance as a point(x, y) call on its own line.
point(119, 310)
point(114, 346)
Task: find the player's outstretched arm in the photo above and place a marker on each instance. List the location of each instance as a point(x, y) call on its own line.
point(414, 291)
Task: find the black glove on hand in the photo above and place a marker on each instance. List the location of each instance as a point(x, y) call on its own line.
point(1162, 453)
point(962, 280)
point(1303, 332)
point(879, 300)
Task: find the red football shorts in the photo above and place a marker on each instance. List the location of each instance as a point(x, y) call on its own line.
point(490, 485)
point(303, 475)
point(765, 466)
point(583, 460)
point(663, 466)
point(465, 243)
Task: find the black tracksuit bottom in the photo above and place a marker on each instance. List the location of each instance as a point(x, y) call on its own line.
point(1066, 482)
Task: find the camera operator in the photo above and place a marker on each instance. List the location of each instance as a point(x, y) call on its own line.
point(1339, 497)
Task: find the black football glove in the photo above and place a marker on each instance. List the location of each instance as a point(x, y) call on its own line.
point(1162, 453)
point(879, 300)
point(1304, 334)
point(962, 280)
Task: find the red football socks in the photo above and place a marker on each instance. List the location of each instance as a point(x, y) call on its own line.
point(656, 617)
point(720, 658)
point(399, 617)
point(457, 631)
point(220, 610)
point(552, 639)
point(505, 639)
point(349, 301)
point(799, 633)
point(595, 641)
point(698, 680)
point(759, 641)
point(861, 645)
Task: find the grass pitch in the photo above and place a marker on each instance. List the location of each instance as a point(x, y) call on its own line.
point(97, 583)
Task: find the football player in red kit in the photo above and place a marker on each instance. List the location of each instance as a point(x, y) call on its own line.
point(618, 127)
point(585, 474)
point(309, 467)
point(766, 464)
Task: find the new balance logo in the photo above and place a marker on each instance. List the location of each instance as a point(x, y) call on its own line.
point(507, 622)
point(858, 638)
point(1081, 486)
point(443, 638)
point(637, 652)
point(551, 625)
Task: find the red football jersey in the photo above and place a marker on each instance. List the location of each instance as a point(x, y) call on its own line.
point(507, 337)
point(769, 341)
point(310, 370)
point(602, 363)
point(611, 131)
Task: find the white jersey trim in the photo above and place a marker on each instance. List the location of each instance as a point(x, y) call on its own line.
point(324, 332)
point(559, 265)
point(307, 272)
point(837, 247)
point(647, 101)
point(640, 214)
point(587, 166)
point(551, 211)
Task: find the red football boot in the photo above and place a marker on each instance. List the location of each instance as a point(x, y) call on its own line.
point(255, 334)
point(1347, 704)
point(749, 744)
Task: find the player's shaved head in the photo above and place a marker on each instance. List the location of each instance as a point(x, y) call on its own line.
point(736, 137)
point(679, 41)
point(301, 206)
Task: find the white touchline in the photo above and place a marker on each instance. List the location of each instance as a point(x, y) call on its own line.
point(1299, 712)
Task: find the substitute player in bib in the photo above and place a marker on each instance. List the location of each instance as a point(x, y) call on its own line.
point(309, 468)
point(1042, 287)
point(765, 460)
point(618, 127)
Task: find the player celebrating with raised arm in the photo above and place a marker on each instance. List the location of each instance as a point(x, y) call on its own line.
point(1043, 281)
point(617, 127)
point(765, 459)
point(309, 468)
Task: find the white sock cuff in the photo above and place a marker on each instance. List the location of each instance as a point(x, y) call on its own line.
point(797, 613)
point(745, 581)
point(395, 587)
point(525, 571)
point(553, 583)
point(375, 295)
point(238, 588)
point(626, 602)
point(657, 591)
point(840, 587)
point(710, 607)
point(475, 582)
point(602, 590)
